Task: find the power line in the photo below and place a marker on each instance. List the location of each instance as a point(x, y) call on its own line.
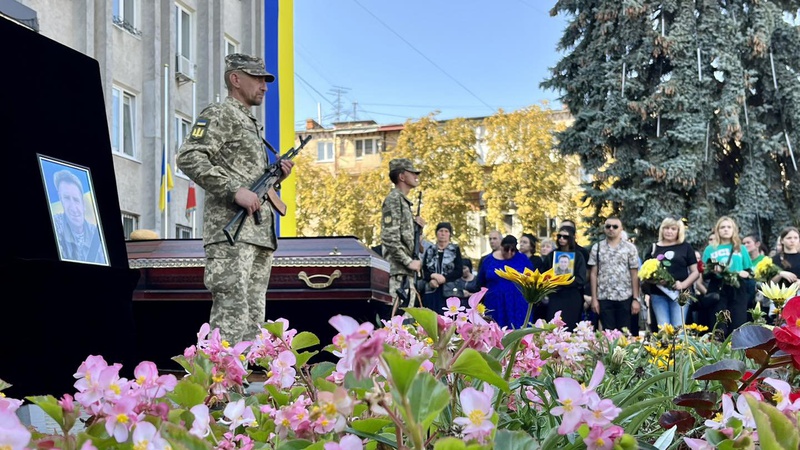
point(424, 56)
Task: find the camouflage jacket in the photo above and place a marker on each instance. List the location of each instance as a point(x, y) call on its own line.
point(397, 232)
point(223, 153)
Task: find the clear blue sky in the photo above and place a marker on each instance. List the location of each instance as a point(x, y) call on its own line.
point(406, 59)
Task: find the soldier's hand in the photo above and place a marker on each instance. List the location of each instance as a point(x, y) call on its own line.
point(415, 265)
point(286, 168)
point(248, 200)
point(420, 221)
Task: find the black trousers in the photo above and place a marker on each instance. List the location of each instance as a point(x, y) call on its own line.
point(615, 314)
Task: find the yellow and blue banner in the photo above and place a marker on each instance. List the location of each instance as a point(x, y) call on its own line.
point(279, 121)
point(166, 184)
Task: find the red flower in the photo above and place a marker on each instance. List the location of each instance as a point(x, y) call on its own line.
point(788, 335)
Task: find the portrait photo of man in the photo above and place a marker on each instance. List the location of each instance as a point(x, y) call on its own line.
point(73, 211)
point(564, 264)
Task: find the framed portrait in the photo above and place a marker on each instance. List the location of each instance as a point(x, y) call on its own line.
point(73, 211)
point(564, 262)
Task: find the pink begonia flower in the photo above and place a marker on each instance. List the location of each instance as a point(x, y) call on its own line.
point(347, 442)
point(88, 445)
point(153, 384)
point(13, 434)
point(571, 397)
point(477, 408)
point(200, 425)
point(365, 357)
point(9, 404)
point(476, 308)
point(453, 307)
point(147, 437)
point(600, 413)
point(601, 438)
point(239, 414)
point(782, 395)
point(698, 444)
point(120, 417)
point(282, 372)
point(66, 403)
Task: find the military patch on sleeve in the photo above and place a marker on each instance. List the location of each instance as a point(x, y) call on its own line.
point(387, 219)
point(199, 129)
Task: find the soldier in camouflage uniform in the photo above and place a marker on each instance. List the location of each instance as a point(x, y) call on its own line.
point(397, 228)
point(225, 154)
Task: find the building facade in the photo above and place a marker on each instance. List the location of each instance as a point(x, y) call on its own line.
point(161, 62)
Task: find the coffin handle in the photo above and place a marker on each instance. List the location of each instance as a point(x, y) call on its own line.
point(329, 279)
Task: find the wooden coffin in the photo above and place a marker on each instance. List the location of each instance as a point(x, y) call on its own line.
point(312, 280)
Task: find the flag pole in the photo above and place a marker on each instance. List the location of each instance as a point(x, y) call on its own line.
point(194, 117)
point(164, 177)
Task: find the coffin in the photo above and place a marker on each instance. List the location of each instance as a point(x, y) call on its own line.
point(312, 280)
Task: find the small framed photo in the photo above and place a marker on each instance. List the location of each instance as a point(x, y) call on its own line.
point(564, 262)
point(73, 211)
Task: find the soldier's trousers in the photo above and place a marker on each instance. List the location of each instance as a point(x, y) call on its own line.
point(237, 277)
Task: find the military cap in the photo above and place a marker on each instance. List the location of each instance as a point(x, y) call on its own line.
point(251, 65)
point(402, 164)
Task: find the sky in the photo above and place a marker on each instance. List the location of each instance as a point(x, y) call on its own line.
point(406, 59)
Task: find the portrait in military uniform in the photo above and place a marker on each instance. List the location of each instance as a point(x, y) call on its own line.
point(73, 211)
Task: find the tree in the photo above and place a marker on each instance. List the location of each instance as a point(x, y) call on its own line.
point(678, 111)
point(526, 174)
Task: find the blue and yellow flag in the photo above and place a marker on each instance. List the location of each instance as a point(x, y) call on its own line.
point(166, 180)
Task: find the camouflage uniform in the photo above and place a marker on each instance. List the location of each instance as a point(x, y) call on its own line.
point(397, 232)
point(225, 152)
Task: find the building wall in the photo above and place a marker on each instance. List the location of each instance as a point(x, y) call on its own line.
point(135, 61)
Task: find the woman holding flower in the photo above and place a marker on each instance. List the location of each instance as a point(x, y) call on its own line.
point(788, 258)
point(504, 302)
point(726, 256)
point(678, 257)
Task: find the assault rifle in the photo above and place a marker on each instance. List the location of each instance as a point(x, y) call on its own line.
point(264, 187)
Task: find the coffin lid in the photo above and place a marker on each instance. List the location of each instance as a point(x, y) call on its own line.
point(322, 251)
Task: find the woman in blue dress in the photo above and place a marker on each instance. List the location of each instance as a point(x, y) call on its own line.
point(504, 301)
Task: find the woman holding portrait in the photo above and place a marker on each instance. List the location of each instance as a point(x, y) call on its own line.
point(567, 299)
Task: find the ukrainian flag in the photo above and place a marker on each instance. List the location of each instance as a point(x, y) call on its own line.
point(166, 184)
point(279, 58)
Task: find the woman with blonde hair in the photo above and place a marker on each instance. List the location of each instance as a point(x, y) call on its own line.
point(681, 262)
point(728, 255)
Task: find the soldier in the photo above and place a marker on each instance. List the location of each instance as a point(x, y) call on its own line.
point(225, 154)
point(397, 229)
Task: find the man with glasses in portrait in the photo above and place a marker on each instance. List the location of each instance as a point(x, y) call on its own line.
point(614, 277)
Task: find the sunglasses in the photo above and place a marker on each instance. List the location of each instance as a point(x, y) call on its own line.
point(610, 226)
point(563, 236)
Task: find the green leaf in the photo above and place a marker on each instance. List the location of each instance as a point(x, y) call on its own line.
point(304, 339)
point(427, 319)
point(666, 438)
point(372, 426)
point(188, 393)
point(625, 398)
point(403, 369)
point(449, 443)
point(278, 397)
point(322, 369)
point(295, 444)
point(516, 335)
point(275, 328)
point(302, 358)
point(514, 440)
point(427, 398)
point(179, 437)
point(350, 382)
point(385, 439)
point(472, 364)
point(775, 430)
point(50, 406)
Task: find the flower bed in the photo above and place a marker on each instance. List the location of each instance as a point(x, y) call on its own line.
point(447, 382)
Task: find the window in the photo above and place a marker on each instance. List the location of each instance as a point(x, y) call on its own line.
point(183, 232)
point(324, 151)
point(123, 113)
point(230, 46)
point(365, 147)
point(183, 28)
point(124, 15)
point(130, 223)
point(182, 128)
